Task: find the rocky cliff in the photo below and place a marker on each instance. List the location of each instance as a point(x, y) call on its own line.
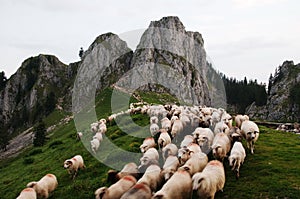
point(33, 90)
point(170, 59)
point(167, 58)
point(283, 102)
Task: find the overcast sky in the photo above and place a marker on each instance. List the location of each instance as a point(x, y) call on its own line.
point(242, 37)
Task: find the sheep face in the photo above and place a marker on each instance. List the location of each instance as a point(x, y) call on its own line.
point(68, 164)
point(197, 179)
point(252, 135)
point(99, 193)
point(183, 155)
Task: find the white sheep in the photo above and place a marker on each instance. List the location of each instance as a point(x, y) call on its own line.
point(166, 124)
point(128, 169)
point(138, 191)
point(116, 190)
point(177, 128)
point(27, 193)
point(151, 156)
point(169, 149)
point(185, 153)
point(184, 118)
point(250, 132)
point(44, 186)
point(163, 139)
point(74, 164)
point(195, 163)
point(187, 140)
point(102, 128)
point(221, 146)
point(237, 157)
point(147, 144)
point(95, 144)
point(204, 138)
point(227, 119)
point(239, 119)
point(210, 180)
point(179, 186)
point(79, 135)
point(152, 177)
point(221, 127)
point(94, 127)
point(153, 120)
point(98, 136)
point(170, 167)
point(154, 128)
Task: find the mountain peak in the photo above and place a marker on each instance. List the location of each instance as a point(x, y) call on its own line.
point(170, 22)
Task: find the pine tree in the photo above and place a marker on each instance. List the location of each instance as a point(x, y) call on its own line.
point(3, 80)
point(39, 134)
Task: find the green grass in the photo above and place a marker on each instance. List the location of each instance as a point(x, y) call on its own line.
point(272, 172)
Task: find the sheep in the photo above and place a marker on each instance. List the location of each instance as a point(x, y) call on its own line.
point(179, 186)
point(205, 121)
point(185, 153)
point(152, 177)
point(250, 132)
point(204, 137)
point(169, 149)
point(95, 144)
point(128, 169)
point(227, 119)
point(170, 167)
point(102, 128)
point(94, 127)
point(187, 140)
point(177, 128)
point(210, 180)
point(74, 164)
point(235, 135)
point(239, 119)
point(164, 139)
point(216, 116)
point(102, 121)
point(196, 163)
point(147, 144)
point(27, 193)
point(154, 128)
point(154, 120)
point(221, 127)
point(166, 124)
point(237, 157)
point(44, 186)
point(111, 118)
point(138, 191)
point(173, 118)
point(79, 135)
point(117, 189)
point(98, 136)
point(184, 119)
point(221, 146)
point(150, 157)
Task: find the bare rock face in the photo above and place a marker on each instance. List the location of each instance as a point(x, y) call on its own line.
point(25, 94)
point(170, 59)
point(280, 104)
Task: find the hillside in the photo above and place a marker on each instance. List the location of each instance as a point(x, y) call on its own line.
point(272, 172)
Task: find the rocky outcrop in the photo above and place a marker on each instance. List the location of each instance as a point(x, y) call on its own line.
point(170, 59)
point(33, 90)
point(280, 105)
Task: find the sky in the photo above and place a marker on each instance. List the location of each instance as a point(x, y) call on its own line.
point(241, 37)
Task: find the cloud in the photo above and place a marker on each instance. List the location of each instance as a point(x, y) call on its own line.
point(254, 3)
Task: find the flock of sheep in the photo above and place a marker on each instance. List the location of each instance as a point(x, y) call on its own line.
point(175, 158)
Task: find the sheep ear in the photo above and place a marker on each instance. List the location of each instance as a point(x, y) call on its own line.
point(70, 162)
point(31, 184)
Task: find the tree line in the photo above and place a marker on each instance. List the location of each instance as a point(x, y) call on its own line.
point(242, 93)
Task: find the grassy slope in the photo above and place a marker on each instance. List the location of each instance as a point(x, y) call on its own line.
point(273, 171)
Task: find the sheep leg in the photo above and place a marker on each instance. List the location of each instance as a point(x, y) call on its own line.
point(252, 147)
